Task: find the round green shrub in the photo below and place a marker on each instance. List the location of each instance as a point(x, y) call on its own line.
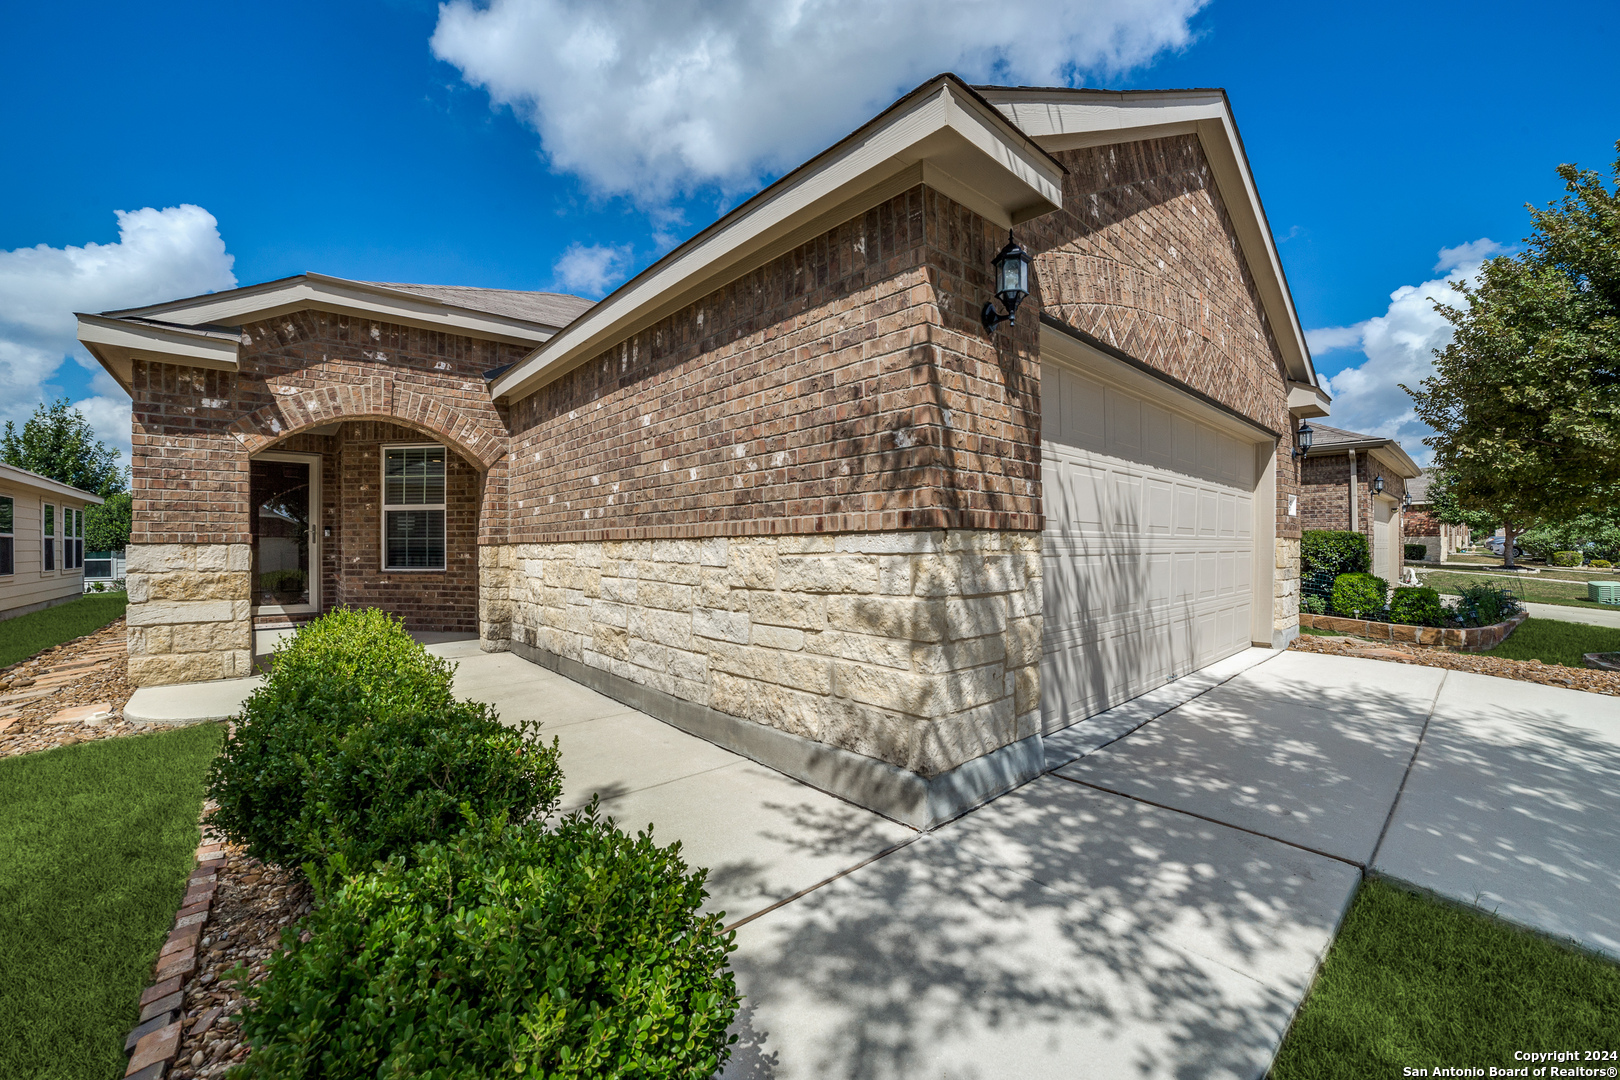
point(1312, 605)
point(1601, 564)
point(505, 952)
point(1416, 552)
point(1417, 606)
point(1565, 558)
point(1334, 552)
point(343, 670)
point(381, 787)
point(1359, 596)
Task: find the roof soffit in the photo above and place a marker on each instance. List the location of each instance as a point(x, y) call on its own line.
point(1064, 119)
point(943, 134)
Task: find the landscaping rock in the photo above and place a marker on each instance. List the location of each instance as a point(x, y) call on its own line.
point(72, 693)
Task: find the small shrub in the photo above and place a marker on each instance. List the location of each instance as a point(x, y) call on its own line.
point(1565, 558)
point(1417, 552)
point(1417, 606)
point(1601, 564)
point(1359, 596)
point(1485, 604)
point(1313, 605)
point(384, 786)
point(344, 669)
point(516, 951)
point(1338, 552)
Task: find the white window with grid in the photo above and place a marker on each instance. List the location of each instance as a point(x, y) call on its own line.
point(413, 525)
point(8, 539)
point(48, 537)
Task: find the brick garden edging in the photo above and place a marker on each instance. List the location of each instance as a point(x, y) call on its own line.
point(155, 1042)
point(1472, 639)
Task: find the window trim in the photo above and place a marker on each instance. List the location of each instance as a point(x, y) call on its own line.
point(316, 532)
point(10, 534)
point(48, 562)
point(385, 506)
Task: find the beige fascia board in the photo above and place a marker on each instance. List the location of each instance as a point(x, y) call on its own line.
point(117, 343)
point(10, 474)
point(340, 296)
point(1307, 402)
point(1062, 119)
point(1077, 354)
point(1386, 450)
point(941, 135)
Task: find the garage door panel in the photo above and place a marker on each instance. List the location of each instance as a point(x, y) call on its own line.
point(1148, 553)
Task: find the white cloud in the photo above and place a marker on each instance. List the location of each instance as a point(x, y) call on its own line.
point(1398, 347)
point(159, 255)
point(657, 98)
point(592, 269)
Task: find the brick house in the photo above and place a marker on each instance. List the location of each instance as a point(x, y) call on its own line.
point(1358, 483)
point(783, 488)
point(1421, 526)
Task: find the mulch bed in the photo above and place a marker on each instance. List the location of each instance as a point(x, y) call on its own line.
point(254, 902)
point(1590, 680)
point(86, 671)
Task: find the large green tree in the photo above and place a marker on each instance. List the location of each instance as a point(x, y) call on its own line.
point(58, 442)
point(106, 527)
point(1525, 401)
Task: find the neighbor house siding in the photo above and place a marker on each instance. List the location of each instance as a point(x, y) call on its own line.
point(32, 587)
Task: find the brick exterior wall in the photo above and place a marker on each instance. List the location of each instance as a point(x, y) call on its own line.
point(841, 387)
point(1325, 497)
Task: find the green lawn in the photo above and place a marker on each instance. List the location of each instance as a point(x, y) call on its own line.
point(1554, 642)
point(96, 842)
point(1412, 981)
point(26, 635)
point(1526, 586)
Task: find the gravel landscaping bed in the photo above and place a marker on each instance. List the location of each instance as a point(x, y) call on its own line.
point(1594, 682)
point(254, 902)
point(37, 694)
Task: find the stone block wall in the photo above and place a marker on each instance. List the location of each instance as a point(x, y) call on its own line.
point(919, 649)
point(1285, 602)
point(189, 614)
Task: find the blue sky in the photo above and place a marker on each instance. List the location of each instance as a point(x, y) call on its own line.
point(359, 139)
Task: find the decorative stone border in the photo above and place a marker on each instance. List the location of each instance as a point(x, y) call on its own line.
point(1473, 639)
point(155, 1042)
point(1602, 661)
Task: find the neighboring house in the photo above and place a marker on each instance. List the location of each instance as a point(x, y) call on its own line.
point(103, 568)
point(1358, 483)
point(41, 541)
point(1422, 527)
point(782, 488)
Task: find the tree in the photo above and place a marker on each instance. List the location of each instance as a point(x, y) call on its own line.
point(58, 442)
point(106, 527)
point(1446, 509)
point(1525, 401)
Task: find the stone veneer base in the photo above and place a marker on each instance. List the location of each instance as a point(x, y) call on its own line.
point(896, 793)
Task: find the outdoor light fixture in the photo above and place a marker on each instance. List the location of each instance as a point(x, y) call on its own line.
point(1307, 435)
point(1012, 284)
point(1406, 503)
point(1378, 484)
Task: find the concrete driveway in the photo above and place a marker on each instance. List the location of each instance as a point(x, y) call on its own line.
point(1590, 616)
point(1155, 905)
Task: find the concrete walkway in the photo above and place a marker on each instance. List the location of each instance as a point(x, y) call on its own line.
point(1156, 905)
point(1590, 616)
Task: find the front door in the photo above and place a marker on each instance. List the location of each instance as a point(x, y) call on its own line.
point(284, 489)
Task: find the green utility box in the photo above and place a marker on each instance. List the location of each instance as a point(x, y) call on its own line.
point(1604, 592)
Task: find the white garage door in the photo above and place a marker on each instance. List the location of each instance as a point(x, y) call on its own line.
point(1149, 547)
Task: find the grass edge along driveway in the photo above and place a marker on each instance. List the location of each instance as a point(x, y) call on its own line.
point(96, 842)
point(23, 636)
point(1524, 586)
point(1413, 981)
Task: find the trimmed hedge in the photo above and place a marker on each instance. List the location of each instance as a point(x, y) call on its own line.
point(1601, 564)
point(1359, 596)
point(1328, 551)
point(1417, 606)
point(1565, 558)
point(1417, 552)
point(514, 951)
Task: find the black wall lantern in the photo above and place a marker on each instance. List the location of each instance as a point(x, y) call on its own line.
point(1406, 503)
point(1307, 435)
point(1378, 484)
point(1012, 284)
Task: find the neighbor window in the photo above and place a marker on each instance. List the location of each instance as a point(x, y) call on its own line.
point(77, 561)
point(413, 507)
point(49, 538)
point(8, 561)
